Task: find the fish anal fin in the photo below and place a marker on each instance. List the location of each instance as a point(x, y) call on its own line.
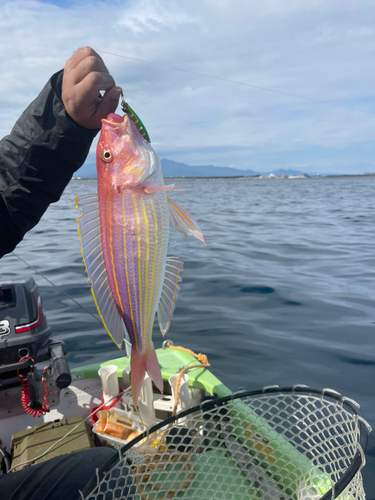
point(183, 222)
point(169, 294)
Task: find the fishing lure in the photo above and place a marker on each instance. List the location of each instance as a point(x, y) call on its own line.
point(135, 119)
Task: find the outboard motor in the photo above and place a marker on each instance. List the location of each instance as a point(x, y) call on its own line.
point(25, 339)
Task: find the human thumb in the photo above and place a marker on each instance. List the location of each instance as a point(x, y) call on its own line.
point(109, 102)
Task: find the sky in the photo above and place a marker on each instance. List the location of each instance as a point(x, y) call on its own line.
point(319, 50)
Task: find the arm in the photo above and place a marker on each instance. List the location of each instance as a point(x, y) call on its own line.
point(46, 145)
point(37, 160)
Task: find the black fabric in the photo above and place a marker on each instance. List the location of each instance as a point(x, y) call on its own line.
point(37, 160)
point(60, 478)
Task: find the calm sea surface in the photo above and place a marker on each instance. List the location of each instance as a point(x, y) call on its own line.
point(282, 292)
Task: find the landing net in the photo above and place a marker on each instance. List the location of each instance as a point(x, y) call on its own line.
point(274, 444)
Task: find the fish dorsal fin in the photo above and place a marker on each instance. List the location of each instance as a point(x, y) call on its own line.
point(92, 251)
point(182, 221)
point(169, 294)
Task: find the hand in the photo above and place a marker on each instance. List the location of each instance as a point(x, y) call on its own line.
point(85, 74)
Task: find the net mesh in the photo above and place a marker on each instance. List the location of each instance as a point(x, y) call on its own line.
point(277, 446)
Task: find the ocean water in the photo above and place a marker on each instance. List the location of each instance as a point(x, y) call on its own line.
point(282, 292)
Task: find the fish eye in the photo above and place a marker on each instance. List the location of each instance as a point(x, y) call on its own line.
point(107, 156)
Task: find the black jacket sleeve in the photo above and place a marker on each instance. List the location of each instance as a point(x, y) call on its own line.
point(37, 160)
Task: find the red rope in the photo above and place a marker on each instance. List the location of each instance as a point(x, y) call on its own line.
point(45, 408)
point(25, 392)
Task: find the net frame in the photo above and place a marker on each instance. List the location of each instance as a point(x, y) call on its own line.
point(211, 403)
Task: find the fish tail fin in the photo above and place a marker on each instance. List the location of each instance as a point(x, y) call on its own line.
point(153, 368)
point(137, 373)
point(139, 365)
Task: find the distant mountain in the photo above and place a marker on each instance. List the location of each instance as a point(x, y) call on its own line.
point(175, 169)
point(281, 171)
point(87, 171)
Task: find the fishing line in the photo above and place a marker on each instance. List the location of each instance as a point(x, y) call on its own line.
point(174, 68)
point(53, 284)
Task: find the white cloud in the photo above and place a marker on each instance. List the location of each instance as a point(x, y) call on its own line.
point(146, 17)
point(318, 49)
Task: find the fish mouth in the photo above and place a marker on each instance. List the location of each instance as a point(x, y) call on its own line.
point(114, 120)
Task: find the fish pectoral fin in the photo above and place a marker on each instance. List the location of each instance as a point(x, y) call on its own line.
point(182, 221)
point(92, 251)
point(169, 294)
point(153, 189)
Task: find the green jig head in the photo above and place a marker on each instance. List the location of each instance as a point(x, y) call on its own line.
point(135, 119)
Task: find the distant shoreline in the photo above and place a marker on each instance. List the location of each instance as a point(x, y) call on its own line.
point(255, 178)
point(277, 178)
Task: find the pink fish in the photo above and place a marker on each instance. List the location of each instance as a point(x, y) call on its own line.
point(124, 232)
